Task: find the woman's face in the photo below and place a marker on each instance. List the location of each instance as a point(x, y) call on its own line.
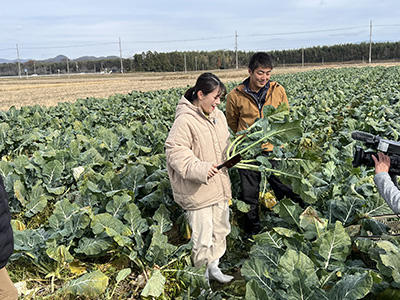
point(210, 101)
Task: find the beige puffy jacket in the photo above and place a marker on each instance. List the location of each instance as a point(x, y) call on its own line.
point(194, 143)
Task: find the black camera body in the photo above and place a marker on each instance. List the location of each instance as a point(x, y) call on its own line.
point(376, 143)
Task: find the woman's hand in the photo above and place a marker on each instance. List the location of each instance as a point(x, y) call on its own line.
point(213, 170)
point(382, 163)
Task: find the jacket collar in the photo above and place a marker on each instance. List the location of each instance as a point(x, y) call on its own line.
point(258, 97)
point(186, 107)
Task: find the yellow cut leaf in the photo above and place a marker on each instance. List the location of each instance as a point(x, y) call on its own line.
point(77, 268)
point(18, 225)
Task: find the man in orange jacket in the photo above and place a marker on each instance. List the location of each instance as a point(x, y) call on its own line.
point(243, 106)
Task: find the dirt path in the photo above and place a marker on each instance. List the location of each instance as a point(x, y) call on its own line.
point(50, 90)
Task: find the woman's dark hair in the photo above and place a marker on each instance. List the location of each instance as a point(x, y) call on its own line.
point(261, 59)
point(207, 83)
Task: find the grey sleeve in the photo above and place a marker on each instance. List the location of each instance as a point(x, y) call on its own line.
point(388, 190)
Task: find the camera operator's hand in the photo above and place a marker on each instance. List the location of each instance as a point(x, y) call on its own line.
point(382, 163)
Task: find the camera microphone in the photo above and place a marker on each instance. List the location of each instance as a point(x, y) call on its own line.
point(364, 137)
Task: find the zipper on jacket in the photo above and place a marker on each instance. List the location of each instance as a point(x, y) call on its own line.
point(259, 104)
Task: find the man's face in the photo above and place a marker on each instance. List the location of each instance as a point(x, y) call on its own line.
point(259, 78)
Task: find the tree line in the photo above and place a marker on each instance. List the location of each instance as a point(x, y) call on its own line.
point(208, 60)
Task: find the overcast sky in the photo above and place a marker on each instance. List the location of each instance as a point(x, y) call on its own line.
point(46, 28)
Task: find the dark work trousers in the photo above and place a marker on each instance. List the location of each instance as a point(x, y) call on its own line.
point(250, 182)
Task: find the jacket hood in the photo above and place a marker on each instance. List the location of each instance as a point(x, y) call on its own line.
point(186, 107)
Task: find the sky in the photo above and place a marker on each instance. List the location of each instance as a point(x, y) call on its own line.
point(43, 29)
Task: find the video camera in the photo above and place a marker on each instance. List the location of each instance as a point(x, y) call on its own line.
point(390, 148)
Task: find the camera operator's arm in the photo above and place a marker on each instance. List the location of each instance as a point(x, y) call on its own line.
point(386, 187)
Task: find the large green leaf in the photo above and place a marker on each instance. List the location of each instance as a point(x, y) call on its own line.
point(52, 172)
point(91, 157)
point(297, 261)
point(69, 220)
point(334, 245)
point(5, 169)
point(137, 224)
point(118, 205)
point(92, 246)
point(162, 216)
point(133, 177)
point(302, 288)
point(20, 192)
point(37, 201)
point(313, 225)
point(289, 211)
point(123, 274)
point(111, 226)
point(64, 210)
point(269, 238)
point(285, 131)
point(390, 257)
point(155, 286)
point(107, 138)
point(352, 287)
point(159, 248)
point(255, 292)
point(22, 164)
point(270, 255)
point(60, 254)
point(193, 277)
point(29, 240)
point(92, 284)
point(256, 269)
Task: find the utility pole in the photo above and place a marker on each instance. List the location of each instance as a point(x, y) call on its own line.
point(19, 63)
point(302, 57)
point(370, 40)
point(195, 62)
point(120, 56)
point(68, 67)
point(184, 59)
point(236, 50)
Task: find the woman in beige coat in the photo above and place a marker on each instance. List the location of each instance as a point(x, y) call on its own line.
point(195, 146)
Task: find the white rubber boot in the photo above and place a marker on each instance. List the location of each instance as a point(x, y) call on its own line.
point(214, 272)
point(207, 275)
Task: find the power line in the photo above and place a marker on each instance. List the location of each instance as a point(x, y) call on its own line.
point(387, 25)
point(7, 49)
point(179, 41)
point(74, 46)
point(302, 32)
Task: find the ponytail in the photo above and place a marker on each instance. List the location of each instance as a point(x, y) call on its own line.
point(191, 94)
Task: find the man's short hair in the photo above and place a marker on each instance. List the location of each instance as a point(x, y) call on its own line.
point(261, 59)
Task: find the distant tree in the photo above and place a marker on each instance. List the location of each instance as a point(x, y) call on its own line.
point(208, 60)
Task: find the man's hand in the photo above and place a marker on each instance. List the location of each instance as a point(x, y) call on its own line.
point(382, 163)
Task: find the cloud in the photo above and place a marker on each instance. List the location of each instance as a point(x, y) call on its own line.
point(39, 27)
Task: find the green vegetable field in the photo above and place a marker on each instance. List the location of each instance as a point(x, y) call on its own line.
point(94, 218)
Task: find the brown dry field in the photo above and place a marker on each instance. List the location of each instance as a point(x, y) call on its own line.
point(50, 90)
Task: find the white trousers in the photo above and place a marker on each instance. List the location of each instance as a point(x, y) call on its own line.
point(210, 226)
